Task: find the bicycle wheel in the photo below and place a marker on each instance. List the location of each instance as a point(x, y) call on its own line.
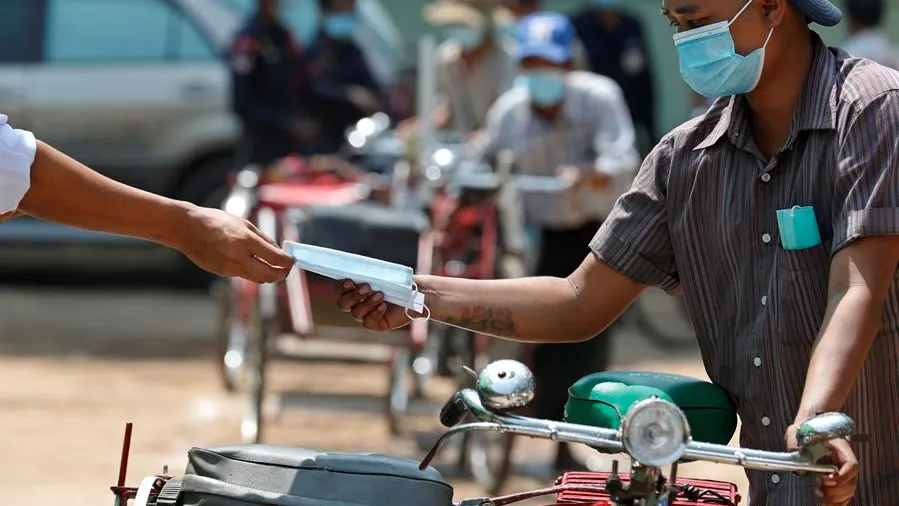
point(489, 454)
point(256, 362)
point(663, 320)
point(398, 391)
point(231, 340)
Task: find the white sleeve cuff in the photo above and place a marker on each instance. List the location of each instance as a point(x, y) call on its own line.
point(17, 150)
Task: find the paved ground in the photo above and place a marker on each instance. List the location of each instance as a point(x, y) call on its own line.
point(76, 365)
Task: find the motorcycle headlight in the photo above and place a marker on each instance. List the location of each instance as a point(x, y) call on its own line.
point(655, 432)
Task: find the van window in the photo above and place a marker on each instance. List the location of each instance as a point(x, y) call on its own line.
point(120, 31)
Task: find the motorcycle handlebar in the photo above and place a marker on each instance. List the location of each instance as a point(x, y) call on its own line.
point(607, 439)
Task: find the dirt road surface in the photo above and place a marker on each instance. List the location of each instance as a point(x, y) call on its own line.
point(75, 365)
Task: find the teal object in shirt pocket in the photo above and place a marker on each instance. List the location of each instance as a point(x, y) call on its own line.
point(798, 228)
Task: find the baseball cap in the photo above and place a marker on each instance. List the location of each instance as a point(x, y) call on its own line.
point(547, 35)
point(819, 11)
point(471, 13)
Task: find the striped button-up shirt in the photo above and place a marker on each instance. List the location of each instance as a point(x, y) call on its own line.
point(593, 132)
point(701, 217)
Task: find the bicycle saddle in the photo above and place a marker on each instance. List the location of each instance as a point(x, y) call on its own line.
point(602, 399)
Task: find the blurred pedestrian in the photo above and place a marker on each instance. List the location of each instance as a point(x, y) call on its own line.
point(269, 88)
point(473, 66)
point(343, 85)
point(510, 12)
point(574, 125)
point(867, 39)
point(39, 181)
point(617, 47)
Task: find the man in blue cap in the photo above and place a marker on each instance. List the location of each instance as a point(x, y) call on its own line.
point(574, 125)
point(776, 214)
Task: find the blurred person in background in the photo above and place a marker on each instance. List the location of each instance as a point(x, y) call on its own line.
point(510, 12)
point(39, 181)
point(473, 66)
point(270, 89)
point(344, 88)
point(616, 47)
point(574, 125)
point(867, 39)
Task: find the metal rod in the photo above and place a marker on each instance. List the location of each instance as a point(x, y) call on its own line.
point(126, 451)
point(426, 95)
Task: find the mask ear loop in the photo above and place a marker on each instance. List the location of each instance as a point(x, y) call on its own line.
point(427, 315)
point(740, 13)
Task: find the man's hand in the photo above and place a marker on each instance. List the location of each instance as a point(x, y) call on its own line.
point(229, 246)
point(364, 99)
point(577, 177)
point(839, 488)
point(369, 308)
point(572, 175)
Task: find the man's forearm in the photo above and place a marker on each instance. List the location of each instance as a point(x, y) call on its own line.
point(850, 328)
point(67, 192)
point(536, 309)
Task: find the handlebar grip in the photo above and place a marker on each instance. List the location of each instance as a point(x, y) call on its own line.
point(453, 411)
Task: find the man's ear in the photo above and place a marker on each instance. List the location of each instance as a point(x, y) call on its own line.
point(774, 11)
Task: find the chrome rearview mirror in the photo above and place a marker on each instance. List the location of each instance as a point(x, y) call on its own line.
point(505, 384)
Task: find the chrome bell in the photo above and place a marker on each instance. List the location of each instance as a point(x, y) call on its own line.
point(505, 384)
point(823, 428)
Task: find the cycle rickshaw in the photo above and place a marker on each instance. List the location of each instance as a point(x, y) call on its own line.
point(329, 202)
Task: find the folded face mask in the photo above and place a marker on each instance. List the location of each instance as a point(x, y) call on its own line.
point(393, 280)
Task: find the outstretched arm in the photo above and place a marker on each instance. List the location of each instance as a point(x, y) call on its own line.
point(38, 180)
point(539, 309)
point(536, 309)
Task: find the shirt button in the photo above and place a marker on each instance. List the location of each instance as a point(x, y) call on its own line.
point(775, 479)
point(766, 238)
point(766, 421)
point(766, 177)
point(757, 362)
point(764, 300)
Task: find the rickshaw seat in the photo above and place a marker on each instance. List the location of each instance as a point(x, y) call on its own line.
point(366, 228)
point(285, 195)
point(601, 399)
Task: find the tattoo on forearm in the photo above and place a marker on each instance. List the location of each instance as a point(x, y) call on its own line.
point(485, 319)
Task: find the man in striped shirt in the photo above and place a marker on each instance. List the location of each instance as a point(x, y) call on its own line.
point(776, 214)
point(573, 125)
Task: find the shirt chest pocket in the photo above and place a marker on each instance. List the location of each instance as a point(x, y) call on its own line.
point(806, 260)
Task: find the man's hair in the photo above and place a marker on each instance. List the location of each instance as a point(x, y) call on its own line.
point(865, 13)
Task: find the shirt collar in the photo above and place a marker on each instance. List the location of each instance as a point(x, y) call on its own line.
point(816, 109)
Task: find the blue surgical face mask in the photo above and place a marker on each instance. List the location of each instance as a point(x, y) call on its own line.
point(545, 87)
point(393, 280)
point(709, 62)
point(340, 26)
point(466, 36)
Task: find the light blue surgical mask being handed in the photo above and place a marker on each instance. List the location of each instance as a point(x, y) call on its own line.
point(545, 87)
point(393, 280)
point(467, 37)
point(710, 64)
point(340, 26)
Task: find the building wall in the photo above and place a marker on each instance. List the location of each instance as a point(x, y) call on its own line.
point(672, 95)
